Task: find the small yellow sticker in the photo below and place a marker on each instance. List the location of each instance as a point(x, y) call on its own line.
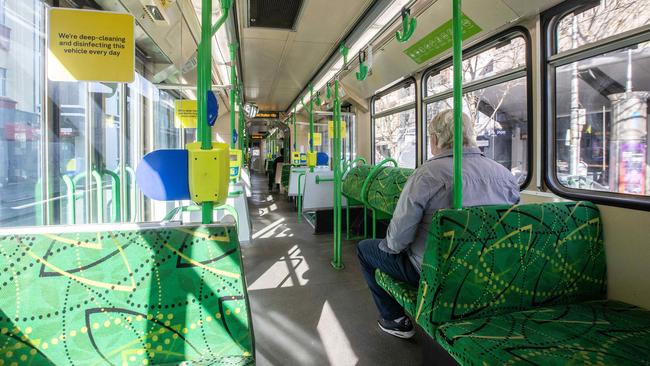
point(318, 139)
point(330, 129)
point(91, 46)
point(185, 114)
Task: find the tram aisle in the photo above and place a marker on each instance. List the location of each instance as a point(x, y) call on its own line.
point(305, 312)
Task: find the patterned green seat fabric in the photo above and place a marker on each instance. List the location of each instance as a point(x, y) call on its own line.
point(403, 293)
point(589, 333)
point(386, 187)
point(490, 260)
point(286, 174)
point(137, 296)
point(353, 181)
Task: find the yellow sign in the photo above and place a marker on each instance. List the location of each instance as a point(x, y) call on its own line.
point(185, 114)
point(318, 139)
point(91, 46)
point(330, 129)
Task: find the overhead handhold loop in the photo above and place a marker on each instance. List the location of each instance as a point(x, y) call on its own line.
point(408, 26)
point(363, 68)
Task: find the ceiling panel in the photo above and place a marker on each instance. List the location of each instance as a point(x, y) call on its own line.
point(527, 7)
point(278, 64)
point(261, 57)
point(327, 21)
point(300, 61)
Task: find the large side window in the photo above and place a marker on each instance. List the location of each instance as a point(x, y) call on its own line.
point(495, 97)
point(597, 57)
point(394, 125)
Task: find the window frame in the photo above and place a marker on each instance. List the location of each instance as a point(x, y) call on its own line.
point(373, 115)
point(550, 61)
point(526, 71)
point(3, 81)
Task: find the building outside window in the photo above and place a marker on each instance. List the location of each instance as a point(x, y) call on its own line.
point(394, 126)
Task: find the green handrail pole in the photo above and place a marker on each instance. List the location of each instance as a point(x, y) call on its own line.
point(311, 118)
point(295, 141)
point(336, 260)
point(233, 81)
point(70, 198)
point(458, 104)
point(225, 8)
point(204, 81)
point(99, 195)
point(116, 195)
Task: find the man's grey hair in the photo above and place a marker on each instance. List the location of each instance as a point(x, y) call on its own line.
point(442, 126)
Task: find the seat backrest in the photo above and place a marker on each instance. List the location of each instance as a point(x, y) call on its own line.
point(490, 260)
point(115, 294)
point(386, 187)
point(353, 181)
point(322, 158)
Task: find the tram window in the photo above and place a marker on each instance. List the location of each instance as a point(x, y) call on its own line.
point(599, 134)
point(403, 95)
point(504, 57)
point(495, 97)
point(610, 18)
point(501, 123)
point(395, 127)
point(21, 120)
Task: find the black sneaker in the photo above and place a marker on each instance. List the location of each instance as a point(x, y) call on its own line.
point(402, 329)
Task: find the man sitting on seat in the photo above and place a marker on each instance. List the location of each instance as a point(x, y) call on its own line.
point(428, 189)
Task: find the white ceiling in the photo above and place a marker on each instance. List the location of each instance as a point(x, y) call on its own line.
point(277, 64)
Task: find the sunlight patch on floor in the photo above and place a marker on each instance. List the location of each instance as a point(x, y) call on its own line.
point(268, 228)
point(288, 271)
point(337, 346)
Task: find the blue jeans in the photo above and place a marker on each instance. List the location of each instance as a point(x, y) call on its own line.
point(397, 266)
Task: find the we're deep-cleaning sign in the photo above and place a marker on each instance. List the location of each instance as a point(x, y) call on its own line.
point(91, 46)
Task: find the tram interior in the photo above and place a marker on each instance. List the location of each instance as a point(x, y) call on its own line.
point(206, 208)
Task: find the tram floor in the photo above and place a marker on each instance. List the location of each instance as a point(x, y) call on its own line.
point(304, 311)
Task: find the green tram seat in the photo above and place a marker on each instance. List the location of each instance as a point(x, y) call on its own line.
point(286, 175)
point(353, 182)
point(376, 188)
point(385, 188)
point(522, 284)
point(124, 295)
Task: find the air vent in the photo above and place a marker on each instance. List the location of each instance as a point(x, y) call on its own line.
point(155, 10)
point(281, 14)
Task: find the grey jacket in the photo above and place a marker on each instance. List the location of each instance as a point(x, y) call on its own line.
point(485, 182)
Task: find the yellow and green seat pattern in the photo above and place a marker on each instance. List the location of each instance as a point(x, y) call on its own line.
point(146, 296)
point(523, 284)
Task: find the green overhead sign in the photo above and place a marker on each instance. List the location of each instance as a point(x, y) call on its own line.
point(439, 40)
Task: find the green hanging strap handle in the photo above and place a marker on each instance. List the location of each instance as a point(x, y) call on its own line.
point(328, 91)
point(318, 100)
point(362, 74)
point(344, 50)
point(408, 26)
point(373, 172)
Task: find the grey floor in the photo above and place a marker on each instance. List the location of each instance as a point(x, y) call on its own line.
point(304, 311)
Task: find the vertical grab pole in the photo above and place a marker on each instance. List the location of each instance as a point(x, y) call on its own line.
point(295, 141)
point(311, 121)
point(458, 104)
point(336, 159)
point(233, 91)
point(204, 79)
